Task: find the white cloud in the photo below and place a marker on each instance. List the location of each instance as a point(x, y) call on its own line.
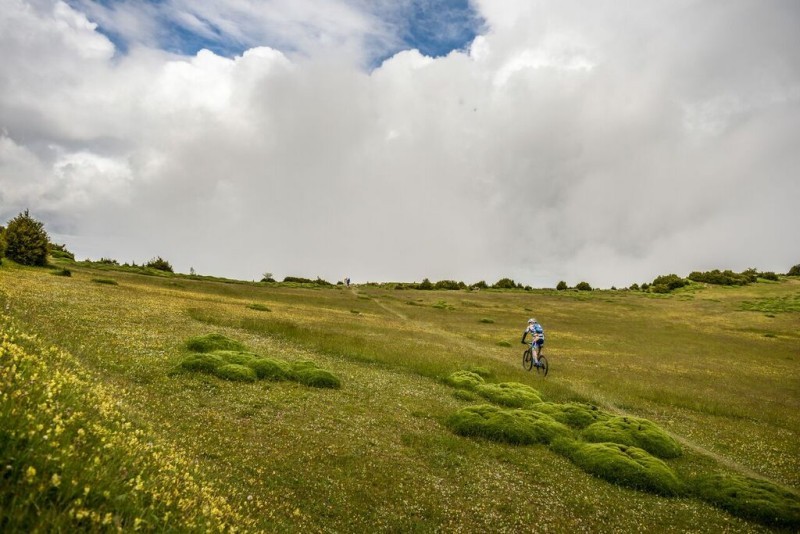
point(581, 141)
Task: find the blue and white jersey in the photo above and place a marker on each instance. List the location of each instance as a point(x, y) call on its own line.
point(534, 330)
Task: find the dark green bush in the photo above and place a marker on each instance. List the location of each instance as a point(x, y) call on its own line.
point(622, 464)
point(669, 282)
point(511, 394)
point(213, 342)
point(583, 286)
point(105, 281)
point(63, 272)
point(26, 240)
point(520, 427)
point(2, 242)
point(725, 278)
point(426, 285)
point(636, 432)
point(794, 271)
point(769, 275)
point(487, 321)
point(562, 285)
point(573, 414)
point(480, 285)
point(298, 280)
point(449, 284)
point(235, 372)
point(505, 283)
point(159, 264)
point(464, 380)
point(205, 363)
point(258, 307)
point(750, 498)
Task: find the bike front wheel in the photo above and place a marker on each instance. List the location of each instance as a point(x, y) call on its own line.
point(543, 368)
point(527, 359)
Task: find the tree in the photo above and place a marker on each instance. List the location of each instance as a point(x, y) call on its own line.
point(562, 285)
point(425, 285)
point(26, 240)
point(2, 242)
point(794, 271)
point(505, 283)
point(583, 286)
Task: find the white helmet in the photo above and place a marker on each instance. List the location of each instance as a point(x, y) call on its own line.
point(531, 321)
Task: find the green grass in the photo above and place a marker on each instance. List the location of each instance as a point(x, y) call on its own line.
point(381, 452)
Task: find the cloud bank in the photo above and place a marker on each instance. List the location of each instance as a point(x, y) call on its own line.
point(601, 141)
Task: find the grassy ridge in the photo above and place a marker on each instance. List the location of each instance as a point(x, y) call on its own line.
point(377, 454)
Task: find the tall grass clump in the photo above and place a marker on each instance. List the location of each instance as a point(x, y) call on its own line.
point(622, 464)
point(636, 432)
point(203, 362)
point(309, 374)
point(212, 342)
point(464, 380)
point(270, 369)
point(519, 427)
point(235, 373)
point(509, 394)
point(750, 498)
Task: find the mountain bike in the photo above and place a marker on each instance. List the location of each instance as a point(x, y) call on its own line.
point(542, 367)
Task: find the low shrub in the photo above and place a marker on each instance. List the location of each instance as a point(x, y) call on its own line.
point(204, 363)
point(668, 282)
point(485, 372)
point(506, 283)
point(309, 374)
point(769, 275)
point(794, 271)
point(212, 342)
point(258, 307)
point(62, 272)
point(105, 281)
point(750, 498)
point(583, 286)
point(487, 321)
point(510, 394)
point(235, 372)
point(636, 432)
point(519, 427)
point(573, 414)
point(621, 464)
point(464, 380)
point(503, 344)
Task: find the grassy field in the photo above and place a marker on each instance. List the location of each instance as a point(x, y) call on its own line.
point(103, 429)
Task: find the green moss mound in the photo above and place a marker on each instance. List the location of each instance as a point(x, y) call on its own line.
point(270, 369)
point(573, 414)
point(464, 380)
point(622, 464)
point(309, 374)
point(235, 372)
point(521, 427)
point(752, 499)
point(636, 432)
point(465, 395)
point(236, 356)
point(212, 342)
point(510, 394)
point(203, 363)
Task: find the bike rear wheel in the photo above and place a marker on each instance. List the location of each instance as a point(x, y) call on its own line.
point(527, 359)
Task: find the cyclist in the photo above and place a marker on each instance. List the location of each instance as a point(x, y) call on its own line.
point(537, 338)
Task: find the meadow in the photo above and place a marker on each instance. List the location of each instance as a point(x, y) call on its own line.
point(111, 422)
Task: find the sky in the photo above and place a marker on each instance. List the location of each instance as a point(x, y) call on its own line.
point(607, 141)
